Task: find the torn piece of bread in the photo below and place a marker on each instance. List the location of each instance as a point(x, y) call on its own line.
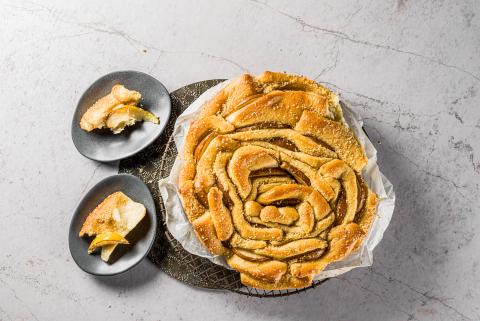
point(96, 116)
point(115, 214)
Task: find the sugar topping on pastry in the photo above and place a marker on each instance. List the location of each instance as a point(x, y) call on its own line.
point(272, 180)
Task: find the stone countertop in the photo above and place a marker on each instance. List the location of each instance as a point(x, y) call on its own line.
point(411, 68)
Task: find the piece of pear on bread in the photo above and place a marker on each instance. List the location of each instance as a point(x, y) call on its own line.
point(127, 115)
point(111, 221)
point(97, 114)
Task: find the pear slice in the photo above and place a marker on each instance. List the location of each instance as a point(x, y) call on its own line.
point(127, 115)
point(106, 238)
point(126, 219)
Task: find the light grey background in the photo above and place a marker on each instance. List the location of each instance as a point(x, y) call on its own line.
point(411, 68)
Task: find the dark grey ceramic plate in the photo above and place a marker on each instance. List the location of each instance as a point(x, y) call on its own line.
point(141, 238)
point(103, 145)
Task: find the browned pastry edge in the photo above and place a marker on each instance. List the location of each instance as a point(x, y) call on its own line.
point(100, 219)
point(271, 180)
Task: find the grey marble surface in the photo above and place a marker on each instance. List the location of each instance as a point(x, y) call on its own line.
point(411, 68)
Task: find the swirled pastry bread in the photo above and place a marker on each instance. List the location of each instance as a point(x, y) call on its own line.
point(272, 180)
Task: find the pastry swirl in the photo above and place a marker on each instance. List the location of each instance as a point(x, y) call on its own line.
point(272, 180)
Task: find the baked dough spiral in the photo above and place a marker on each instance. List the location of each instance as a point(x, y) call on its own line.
point(272, 180)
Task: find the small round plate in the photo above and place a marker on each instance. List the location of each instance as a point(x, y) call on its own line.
point(104, 146)
point(141, 238)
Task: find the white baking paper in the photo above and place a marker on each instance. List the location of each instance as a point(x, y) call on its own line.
point(181, 229)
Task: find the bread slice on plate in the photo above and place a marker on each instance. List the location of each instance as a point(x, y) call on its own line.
point(116, 214)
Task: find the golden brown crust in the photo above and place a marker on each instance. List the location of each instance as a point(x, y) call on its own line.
point(267, 271)
point(335, 134)
point(229, 98)
point(100, 219)
point(205, 231)
point(272, 180)
point(367, 215)
point(221, 218)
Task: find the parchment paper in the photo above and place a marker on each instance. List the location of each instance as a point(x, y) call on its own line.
point(181, 229)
